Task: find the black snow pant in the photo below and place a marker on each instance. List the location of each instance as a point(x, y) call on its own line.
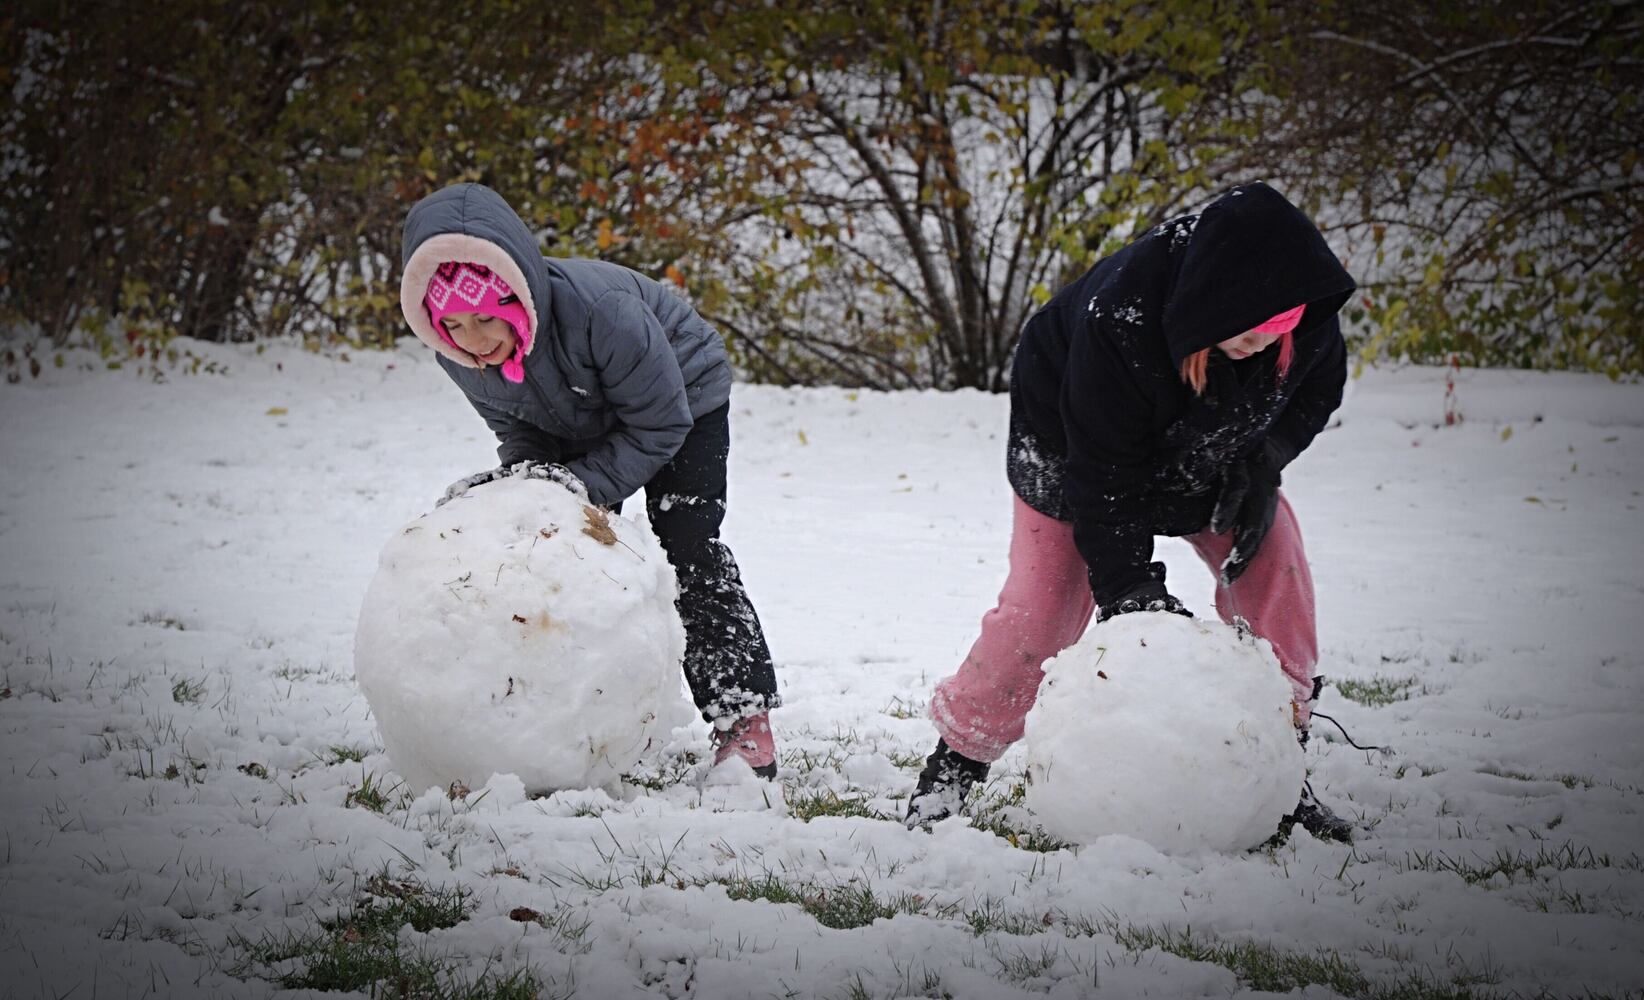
point(727, 662)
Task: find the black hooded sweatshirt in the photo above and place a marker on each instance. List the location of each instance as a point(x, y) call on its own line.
point(1097, 379)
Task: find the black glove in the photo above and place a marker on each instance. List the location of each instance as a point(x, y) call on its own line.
point(551, 471)
point(1148, 596)
point(1248, 501)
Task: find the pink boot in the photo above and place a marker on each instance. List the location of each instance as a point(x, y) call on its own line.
point(750, 738)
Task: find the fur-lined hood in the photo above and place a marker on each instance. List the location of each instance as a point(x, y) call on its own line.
point(469, 222)
point(618, 365)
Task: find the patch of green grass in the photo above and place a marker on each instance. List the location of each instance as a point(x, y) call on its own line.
point(1425, 770)
point(1380, 691)
point(992, 916)
point(360, 950)
point(841, 907)
point(384, 967)
point(1263, 967)
point(671, 770)
point(187, 692)
point(805, 759)
point(1511, 863)
point(1259, 966)
point(371, 793)
point(1032, 839)
point(393, 902)
point(1570, 781)
point(904, 708)
point(988, 813)
point(342, 754)
point(1021, 964)
point(906, 760)
point(808, 804)
point(289, 671)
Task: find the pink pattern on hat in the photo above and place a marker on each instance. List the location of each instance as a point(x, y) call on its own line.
point(460, 286)
point(1282, 323)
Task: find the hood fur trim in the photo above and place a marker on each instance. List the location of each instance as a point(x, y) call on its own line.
point(435, 251)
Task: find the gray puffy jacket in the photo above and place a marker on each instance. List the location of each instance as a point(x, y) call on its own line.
point(619, 367)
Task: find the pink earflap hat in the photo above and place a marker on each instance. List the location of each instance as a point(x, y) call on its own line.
point(460, 286)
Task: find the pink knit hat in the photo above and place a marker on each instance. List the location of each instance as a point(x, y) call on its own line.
point(1282, 323)
point(458, 286)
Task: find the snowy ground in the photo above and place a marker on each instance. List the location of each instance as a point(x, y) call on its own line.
point(194, 801)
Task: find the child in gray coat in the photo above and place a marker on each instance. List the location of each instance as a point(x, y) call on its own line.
point(592, 374)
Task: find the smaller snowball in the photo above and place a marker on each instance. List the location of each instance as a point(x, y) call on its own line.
point(1165, 728)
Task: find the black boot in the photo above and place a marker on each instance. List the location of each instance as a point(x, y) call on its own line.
point(943, 785)
point(1316, 818)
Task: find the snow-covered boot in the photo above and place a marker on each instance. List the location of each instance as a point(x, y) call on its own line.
point(1316, 818)
point(750, 738)
point(943, 784)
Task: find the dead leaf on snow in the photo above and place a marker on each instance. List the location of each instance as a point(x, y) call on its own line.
point(599, 525)
point(524, 914)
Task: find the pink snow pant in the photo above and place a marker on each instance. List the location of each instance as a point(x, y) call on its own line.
point(1046, 604)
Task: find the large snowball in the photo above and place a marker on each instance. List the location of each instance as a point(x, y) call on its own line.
point(1164, 728)
point(517, 629)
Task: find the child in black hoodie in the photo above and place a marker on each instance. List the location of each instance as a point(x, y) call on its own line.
point(1159, 394)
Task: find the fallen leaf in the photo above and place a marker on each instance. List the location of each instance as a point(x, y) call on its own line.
point(524, 914)
point(803, 439)
point(456, 790)
point(599, 525)
point(276, 411)
point(1533, 500)
point(1102, 674)
point(520, 619)
point(1507, 432)
point(548, 532)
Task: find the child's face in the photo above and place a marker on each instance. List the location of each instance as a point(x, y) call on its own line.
point(490, 340)
point(1247, 343)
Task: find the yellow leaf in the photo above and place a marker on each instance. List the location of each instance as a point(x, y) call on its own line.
point(1507, 432)
point(605, 237)
point(599, 525)
point(276, 411)
point(1533, 500)
point(803, 439)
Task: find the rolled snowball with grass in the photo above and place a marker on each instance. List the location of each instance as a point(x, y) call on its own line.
point(520, 629)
